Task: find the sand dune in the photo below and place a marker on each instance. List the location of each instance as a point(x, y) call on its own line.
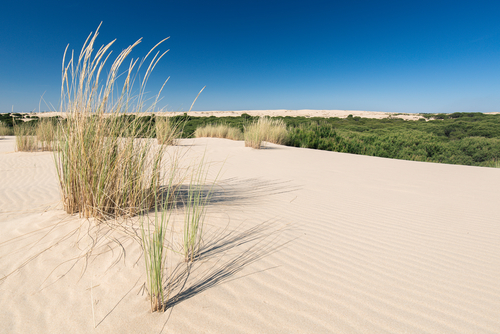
point(298, 241)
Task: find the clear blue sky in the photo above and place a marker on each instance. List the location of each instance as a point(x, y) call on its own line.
point(395, 56)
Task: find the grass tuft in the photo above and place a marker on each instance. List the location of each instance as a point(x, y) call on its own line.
point(198, 196)
point(5, 130)
point(25, 137)
point(265, 129)
point(219, 131)
point(105, 168)
point(46, 134)
point(167, 131)
point(154, 246)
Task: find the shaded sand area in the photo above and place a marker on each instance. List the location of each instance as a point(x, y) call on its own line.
point(297, 241)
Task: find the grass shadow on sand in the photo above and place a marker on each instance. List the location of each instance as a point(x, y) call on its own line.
point(222, 257)
point(236, 191)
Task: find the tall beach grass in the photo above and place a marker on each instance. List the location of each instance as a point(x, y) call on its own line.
point(154, 246)
point(25, 137)
point(218, 131)
point(199, 193)
point(105, 169)
point(265, 129)
point(5, 130)
point(35, 136)
point(109, 166)
point(167, 131)
point(46, 133)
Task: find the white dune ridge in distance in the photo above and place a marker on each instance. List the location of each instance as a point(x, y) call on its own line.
point(312, 242)
point(271, 113)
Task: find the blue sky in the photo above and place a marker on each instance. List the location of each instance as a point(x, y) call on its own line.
point(395, 56)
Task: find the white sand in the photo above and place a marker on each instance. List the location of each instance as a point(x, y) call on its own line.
point(375, 246)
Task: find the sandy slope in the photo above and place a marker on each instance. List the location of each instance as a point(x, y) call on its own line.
point(374, 246)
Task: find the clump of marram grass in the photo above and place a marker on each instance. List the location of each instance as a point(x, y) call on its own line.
point(104, 168)
point(195, 205)
point(5, 130)
point(25, 137)
point(46, 134)
point(219, 131)
point(153, 243)
point(265, 129)
point(167, 131)
point(35, 136)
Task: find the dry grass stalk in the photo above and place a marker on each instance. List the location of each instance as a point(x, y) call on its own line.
point(197, 199)
point(219, 131)
point(265, 129)
point(153, 243)
point(5, 130)
point(25, 137)
point(167, 131)
point(104, 168)
point(46, 135)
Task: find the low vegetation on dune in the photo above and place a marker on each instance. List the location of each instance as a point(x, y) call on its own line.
point(46, 133)
point(461, 138)
point(109, 167)
point(167, 130)
point(32, 134)
point(25, 138)
point(265, 129)
point(466, 139)
point(5, 130)
point(219, 131)
point(198, 196)
point(106, 168)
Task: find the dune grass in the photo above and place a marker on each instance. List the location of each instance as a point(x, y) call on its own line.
point(199, 193)
point(46, 134)
point(105, 169)
point(154, 244)
point(108, 165)
point(35, 136)
point(265, 129)
point(5, 130)
point(25, 137)
point(168, 131)
point(219, 131)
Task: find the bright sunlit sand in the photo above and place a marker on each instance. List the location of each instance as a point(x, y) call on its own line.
point(298, 240)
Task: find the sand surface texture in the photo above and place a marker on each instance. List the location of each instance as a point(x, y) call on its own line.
point(297, 241)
